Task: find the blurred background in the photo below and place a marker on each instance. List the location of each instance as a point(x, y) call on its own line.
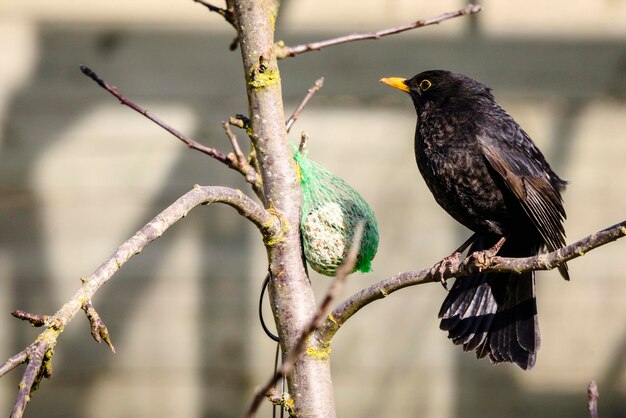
point(79, 174)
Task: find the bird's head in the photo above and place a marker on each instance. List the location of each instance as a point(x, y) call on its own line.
point(438, 87)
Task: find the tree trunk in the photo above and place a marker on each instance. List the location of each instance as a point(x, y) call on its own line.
point(291, 297)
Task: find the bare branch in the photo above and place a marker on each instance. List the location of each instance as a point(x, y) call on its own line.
point(38, 354)
point(283, 51)
point(472, 264)
point(592, 394)
point(296, 113)
point(191, 143)
point(343, 271)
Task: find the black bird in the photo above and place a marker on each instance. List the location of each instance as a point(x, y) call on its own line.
point(487, 173)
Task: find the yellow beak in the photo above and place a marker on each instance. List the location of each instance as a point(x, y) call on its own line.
point(396, 82)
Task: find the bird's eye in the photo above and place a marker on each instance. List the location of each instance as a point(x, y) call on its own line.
point(425, 85)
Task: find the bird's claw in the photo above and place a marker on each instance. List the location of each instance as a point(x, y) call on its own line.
point(482, 259)
point(444, 266)
point(443, 282)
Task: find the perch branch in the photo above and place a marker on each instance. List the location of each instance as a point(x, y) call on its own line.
point(343, 271)
point(38, 354)
point(472, 264)
point(296, 113)
point(283, 51)
point(191, 143)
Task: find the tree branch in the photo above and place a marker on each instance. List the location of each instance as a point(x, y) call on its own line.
point(191, 143)
point(283, 51)
point(296, 113)
point(474, 263)
point(38, 354)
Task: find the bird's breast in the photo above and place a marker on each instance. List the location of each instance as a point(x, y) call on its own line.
point(451, 162)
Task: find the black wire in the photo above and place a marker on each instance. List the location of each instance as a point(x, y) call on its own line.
point(265, 328)
point(269, 333)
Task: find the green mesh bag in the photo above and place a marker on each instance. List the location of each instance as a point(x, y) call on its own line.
point(331, 210)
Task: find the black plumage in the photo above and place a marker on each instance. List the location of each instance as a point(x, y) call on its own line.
point(487, 173)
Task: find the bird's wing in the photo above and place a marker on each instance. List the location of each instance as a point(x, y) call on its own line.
point(523, 169)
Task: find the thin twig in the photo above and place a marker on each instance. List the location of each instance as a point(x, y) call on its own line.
point(283, 51)
point(238, 158)
point(38, 354)
point(250, 167)
point(191, 143)
point(593, 395)
point(296, 113)
point(225, 13)
point(343, 271)
point(238, 154)
point(472, 264)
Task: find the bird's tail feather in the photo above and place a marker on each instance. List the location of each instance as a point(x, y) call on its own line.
point(495, 314)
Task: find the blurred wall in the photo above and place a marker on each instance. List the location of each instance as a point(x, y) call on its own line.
point(79, 174)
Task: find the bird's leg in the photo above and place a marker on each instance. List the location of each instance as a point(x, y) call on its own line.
point(442, 266)
point(483, 257)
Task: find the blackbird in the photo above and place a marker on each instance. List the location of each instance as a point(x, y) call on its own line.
point(487, 173)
